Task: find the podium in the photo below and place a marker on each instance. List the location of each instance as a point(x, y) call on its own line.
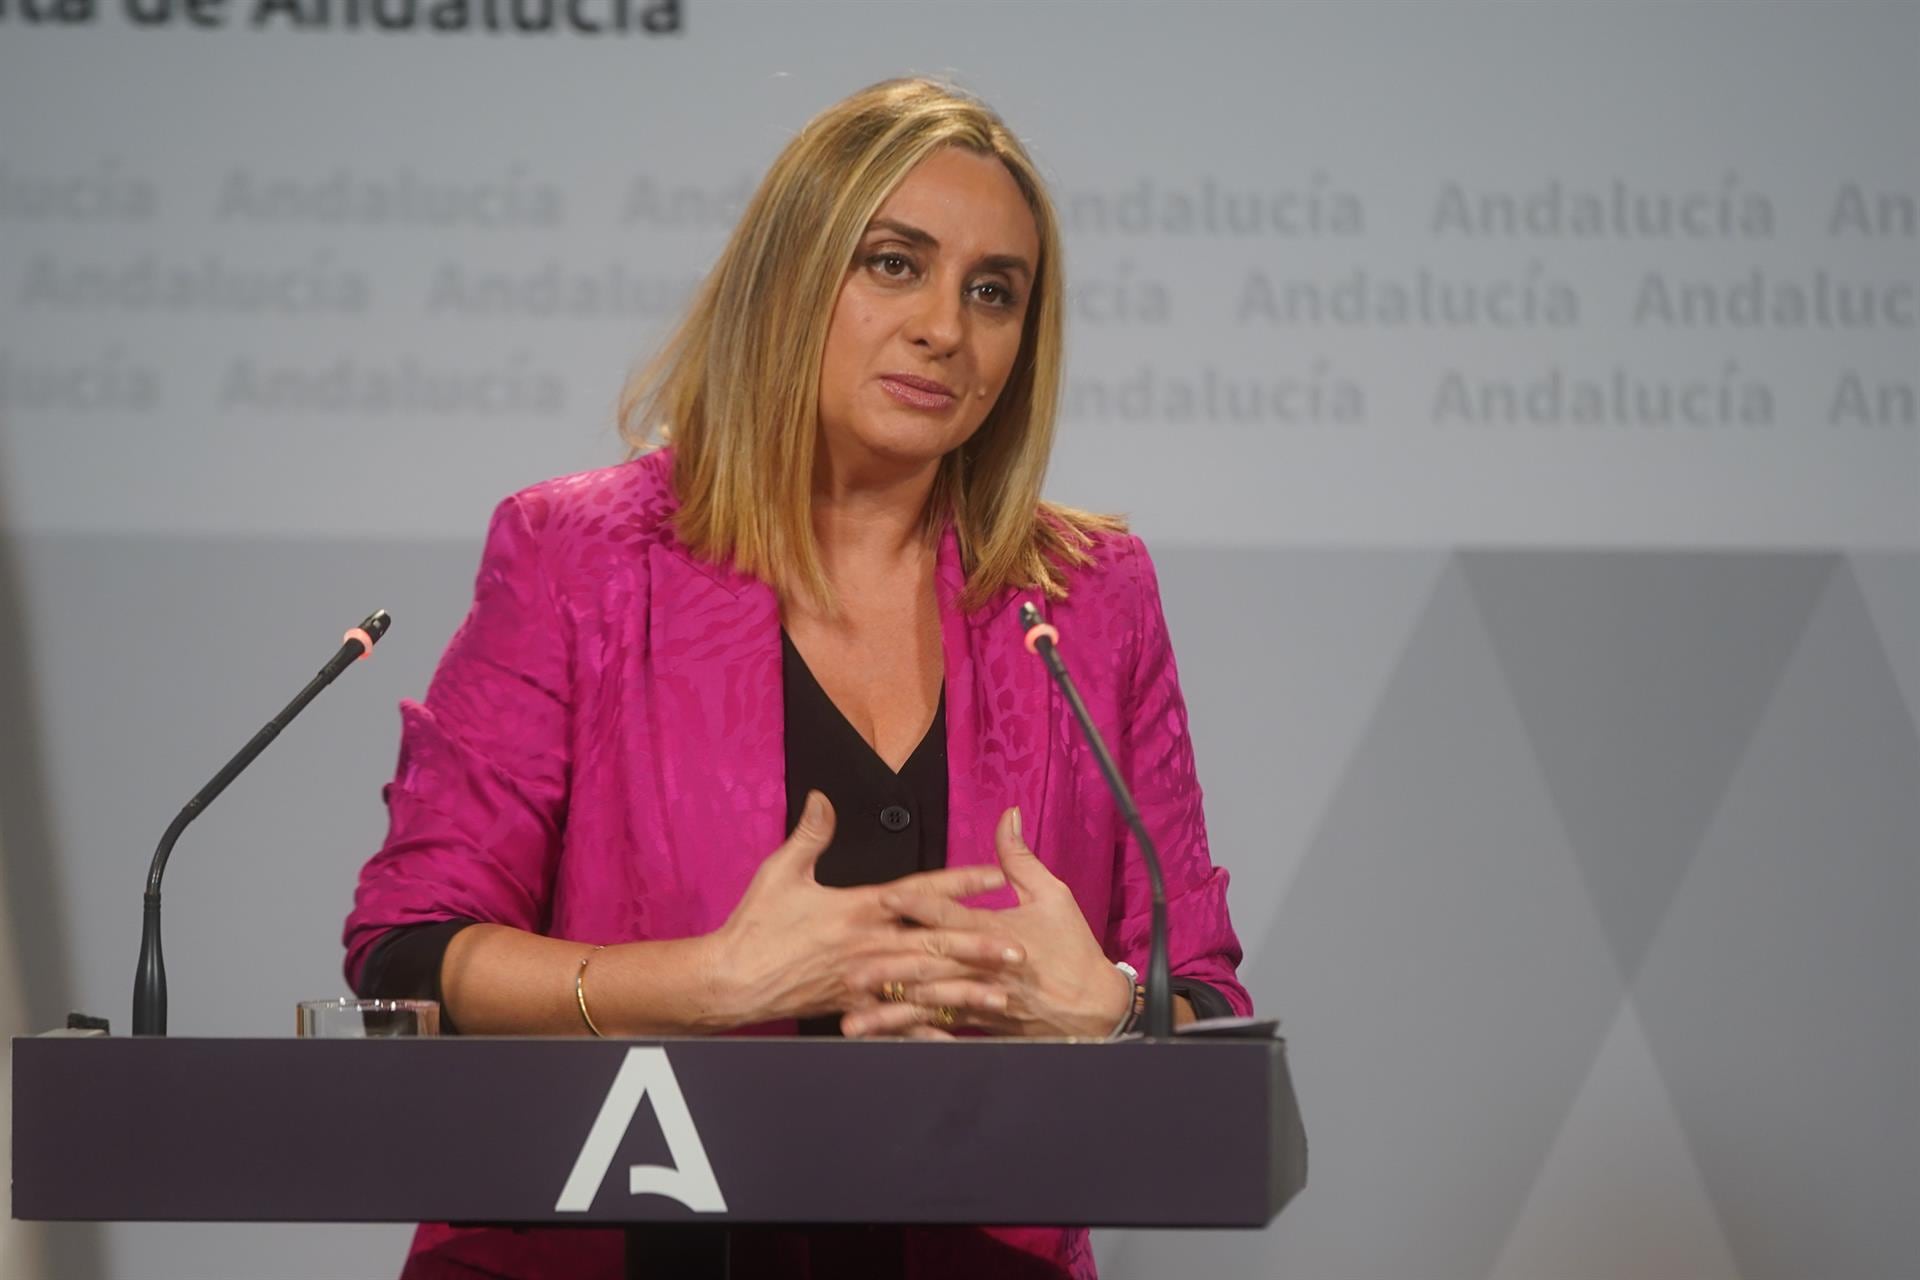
point(718, 1131)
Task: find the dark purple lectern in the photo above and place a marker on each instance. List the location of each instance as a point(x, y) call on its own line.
point(709, 1131)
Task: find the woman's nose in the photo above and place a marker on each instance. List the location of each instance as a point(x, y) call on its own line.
point(940, 321)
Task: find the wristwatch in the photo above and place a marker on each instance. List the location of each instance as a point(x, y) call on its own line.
point(1131, 1019)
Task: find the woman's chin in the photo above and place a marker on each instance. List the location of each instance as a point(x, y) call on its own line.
point(908, 445)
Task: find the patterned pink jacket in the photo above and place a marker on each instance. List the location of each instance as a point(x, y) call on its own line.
point(600, 758)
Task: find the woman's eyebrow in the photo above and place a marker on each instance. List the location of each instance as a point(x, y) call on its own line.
point(911, 234)
point(1007, 262)
point(925, 239)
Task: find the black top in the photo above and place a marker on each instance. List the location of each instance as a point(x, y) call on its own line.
point(886, 825)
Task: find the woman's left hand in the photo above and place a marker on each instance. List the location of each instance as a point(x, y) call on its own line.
point(1064, 985)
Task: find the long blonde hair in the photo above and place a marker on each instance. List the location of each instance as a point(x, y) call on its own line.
point(736, 387)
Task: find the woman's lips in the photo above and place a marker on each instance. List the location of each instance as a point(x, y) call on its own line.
point(917, 392)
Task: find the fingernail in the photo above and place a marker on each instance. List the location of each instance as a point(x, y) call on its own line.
point(1011, 955)
point(813, 813)
point(996, 1002)
point(1016, 823)
point(994, 879)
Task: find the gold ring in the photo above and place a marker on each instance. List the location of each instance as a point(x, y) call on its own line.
point(894, 993)
point(945, 1016)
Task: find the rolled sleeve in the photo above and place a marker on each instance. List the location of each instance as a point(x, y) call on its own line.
point(478, 799)
point(1158, 751)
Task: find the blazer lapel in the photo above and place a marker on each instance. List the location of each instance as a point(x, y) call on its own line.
point(999, 714)
point(714, 654)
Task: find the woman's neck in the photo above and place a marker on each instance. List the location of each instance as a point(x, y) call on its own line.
point(871, 520)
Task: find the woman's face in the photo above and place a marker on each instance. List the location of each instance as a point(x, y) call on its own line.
point(928, 321)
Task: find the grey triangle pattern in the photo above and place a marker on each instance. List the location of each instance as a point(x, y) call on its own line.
point(1779, 999)
point(1640, 678)
point(1620, 1194)
point(1284, 655)
point(1890, 583)
point(1441, 1030)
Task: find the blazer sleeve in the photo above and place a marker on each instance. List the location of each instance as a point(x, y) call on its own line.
point(1202, 946)
point(478, 800)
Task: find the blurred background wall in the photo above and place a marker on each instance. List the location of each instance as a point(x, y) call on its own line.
point(1519, 400)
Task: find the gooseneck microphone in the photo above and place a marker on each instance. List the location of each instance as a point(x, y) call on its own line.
point(150, 977)
point(1041, 640)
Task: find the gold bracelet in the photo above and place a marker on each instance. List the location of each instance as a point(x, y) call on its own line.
point(580, 988)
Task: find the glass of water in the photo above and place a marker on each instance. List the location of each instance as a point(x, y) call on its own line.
point(351, 1018)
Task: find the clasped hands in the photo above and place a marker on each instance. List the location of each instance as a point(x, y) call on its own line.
point(906, 958)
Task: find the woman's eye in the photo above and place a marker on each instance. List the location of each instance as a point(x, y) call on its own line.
point(994, 294)
point(893, 266)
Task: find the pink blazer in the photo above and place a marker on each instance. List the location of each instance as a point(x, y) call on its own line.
point(600, 755)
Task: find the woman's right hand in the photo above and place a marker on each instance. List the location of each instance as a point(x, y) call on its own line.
point(794, 948)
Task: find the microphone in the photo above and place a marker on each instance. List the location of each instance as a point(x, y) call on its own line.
point(1042, 640)
point(150, 976)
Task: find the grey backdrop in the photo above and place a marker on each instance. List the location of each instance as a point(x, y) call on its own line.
point(1563, 746)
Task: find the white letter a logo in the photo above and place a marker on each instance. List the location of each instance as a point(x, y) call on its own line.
point(645, 1073)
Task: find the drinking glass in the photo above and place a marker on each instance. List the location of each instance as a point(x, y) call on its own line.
point(351, 1018)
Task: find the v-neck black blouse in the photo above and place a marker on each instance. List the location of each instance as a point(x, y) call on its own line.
point(886, 825)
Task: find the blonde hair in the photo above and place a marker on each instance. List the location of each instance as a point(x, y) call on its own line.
point(736, 387)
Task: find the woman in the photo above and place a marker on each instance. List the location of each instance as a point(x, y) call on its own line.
point(799, 620)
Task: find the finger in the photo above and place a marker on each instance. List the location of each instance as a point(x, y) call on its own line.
point(926, 909)
point(879, 1020)
point(872, 976)
point(921, 1031)
point(892, 1019)
point(811, 835)
point(917, 1031)
point(963, 995)
point(1026, 872)
point(884, 1020)
point(984, 949)
point(951, 882)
